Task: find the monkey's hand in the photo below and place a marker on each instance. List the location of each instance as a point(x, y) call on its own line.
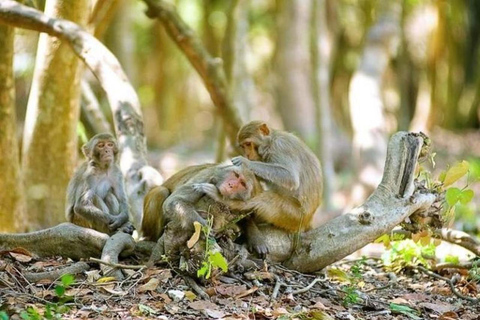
point(117, 221)
point(209, 189)
point(258, 246)
point(238, 161)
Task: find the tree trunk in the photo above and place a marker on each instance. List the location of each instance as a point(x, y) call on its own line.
point(366, 105)
point(50, 134)
point(293, 68)
point(322, 48)
point(11, 197)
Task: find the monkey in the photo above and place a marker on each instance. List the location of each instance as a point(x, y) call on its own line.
point(178, 202)
point(96, 195)
point(290, 170)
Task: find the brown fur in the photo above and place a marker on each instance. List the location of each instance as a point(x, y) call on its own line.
point(291, 171)
point(176, 200)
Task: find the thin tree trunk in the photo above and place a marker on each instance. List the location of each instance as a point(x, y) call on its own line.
point(366, 105)
point(50, 134)
point(11, 195)
point(322, 49)
point(293, 67)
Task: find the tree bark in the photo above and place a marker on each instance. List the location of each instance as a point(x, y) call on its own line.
point(50, 133)
point(322, 49)
point(12, 203)
point(293, 69)
point(139, 176)
point(366, 105)
point(210, 69)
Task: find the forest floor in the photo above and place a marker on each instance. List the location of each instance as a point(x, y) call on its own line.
point(353, 288)
point(349, 289)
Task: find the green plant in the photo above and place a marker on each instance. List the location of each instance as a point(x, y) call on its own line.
point(407, 253)
point(53, 310)
point(3, 315)
point(213, 259)
point(351, 296)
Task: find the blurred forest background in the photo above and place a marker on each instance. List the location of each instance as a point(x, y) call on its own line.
point(341, 74)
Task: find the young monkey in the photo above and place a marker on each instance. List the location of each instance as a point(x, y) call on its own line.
point(96, 194)
point(290, 170)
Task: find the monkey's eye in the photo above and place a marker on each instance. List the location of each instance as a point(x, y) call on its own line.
point(236, 174)
point(247, 144)
point(110, 144)
point(100, 145)
point(244, 184)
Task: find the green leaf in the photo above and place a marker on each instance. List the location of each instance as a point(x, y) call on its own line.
point(146, 310)
point(466, 196)
point(452, 196)
point(452, 259)
point(398, 308)
point(203, 270)
point(67, 280)
point(339, 275)
point(3, 315)
point(456, 172)
point(219, 261)
point(60, 290)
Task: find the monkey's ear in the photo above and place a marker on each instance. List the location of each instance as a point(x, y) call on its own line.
point(264, 129)
point(86, 151)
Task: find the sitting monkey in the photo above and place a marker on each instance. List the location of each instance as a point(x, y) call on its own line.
point(96, 196)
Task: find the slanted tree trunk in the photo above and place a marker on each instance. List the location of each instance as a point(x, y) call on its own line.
point(50, 134)
point(11, 194)
point(366, 104)
point(322, 49)
point(139, 176)
point(293, 69)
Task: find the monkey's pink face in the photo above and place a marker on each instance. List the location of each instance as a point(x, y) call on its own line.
point(106, 151)
point(234, 186)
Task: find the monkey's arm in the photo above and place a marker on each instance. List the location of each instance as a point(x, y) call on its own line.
point(179, 206)
point(280, 174)
point(212, 191)
point(85, 207)
point(119, 192)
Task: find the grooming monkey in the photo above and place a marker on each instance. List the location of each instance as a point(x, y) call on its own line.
point(290, 170)
point(96, 196)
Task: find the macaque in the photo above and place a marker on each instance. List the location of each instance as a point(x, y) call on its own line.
point(291, 171)
point(96, 196)
point(177, 200)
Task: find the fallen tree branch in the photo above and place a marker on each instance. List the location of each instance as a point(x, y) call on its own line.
point(210, 69)
point(119, 243)
point(457, 237)
point(124, 102)
point(66, 240)
point(450, 282)
point(73, 269)
point(119, 265)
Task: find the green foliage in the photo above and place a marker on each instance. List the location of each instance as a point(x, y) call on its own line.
point(54, 310)
point(407, 253)
point(351, 296)
point(474, 272)
point(409, 312)
point(3, 315)
point(213, 260)
point(452, 259)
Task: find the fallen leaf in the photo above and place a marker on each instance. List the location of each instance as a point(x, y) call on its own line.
point(230, 290)
point(151, 285)
point(190, 295)
point(106, 279)
point(450, 315)
point(202, 305)
point(110, 289)
point(438, 306)
point(195, 236)
point(216, 314)
point(247, 292)
point(20, 257)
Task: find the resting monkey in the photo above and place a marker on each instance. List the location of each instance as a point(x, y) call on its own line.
point(176, 201)
point(290, 170)
point(96, 194)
